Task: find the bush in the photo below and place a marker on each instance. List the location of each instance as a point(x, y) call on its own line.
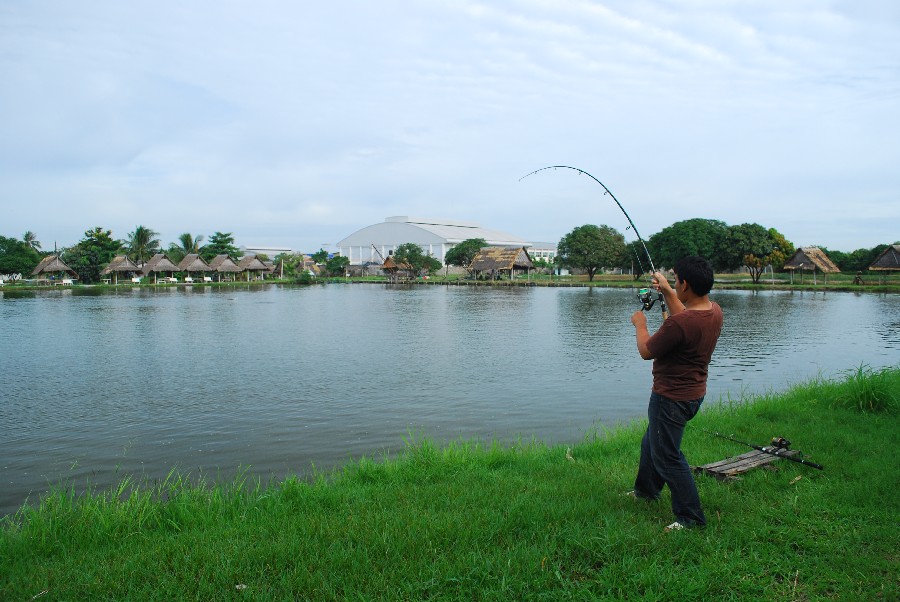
point(866, 390)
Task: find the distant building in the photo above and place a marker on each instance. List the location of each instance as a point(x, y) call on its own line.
point(543, 250)
point(435, 236)
point(267, 251)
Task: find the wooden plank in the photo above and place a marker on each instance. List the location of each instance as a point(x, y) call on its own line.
point(730, 467)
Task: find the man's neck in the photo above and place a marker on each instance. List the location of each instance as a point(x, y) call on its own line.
point(698, 303)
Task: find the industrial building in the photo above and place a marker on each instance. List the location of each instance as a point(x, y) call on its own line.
point(435, 236)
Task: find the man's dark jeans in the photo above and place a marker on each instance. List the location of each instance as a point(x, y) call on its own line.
point(662, 462)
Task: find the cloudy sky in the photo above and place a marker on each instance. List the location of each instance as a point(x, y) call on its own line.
point(297, 123)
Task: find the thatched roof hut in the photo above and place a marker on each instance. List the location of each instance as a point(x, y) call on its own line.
point(497, 261)
point(889, 260)
point(52, 264)
point(810, 258)
point(192, 264)
point(120, 265)
point(159, 263)
point(251, 263)
point(223, 264)
point(392, 268)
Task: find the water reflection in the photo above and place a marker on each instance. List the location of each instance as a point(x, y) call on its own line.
point(97, 384)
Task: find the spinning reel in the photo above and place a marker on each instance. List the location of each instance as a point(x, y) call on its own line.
point(645, 295)
point(780, 443)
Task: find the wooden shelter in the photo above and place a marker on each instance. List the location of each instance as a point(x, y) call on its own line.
point(250, 264)
point(810, 258)
point(499, 261)
point(888, 261)
point(55, 268)
point(120, 265)
point(193, 264)
point(223, 264)
point(160, 264)
point(392, 268)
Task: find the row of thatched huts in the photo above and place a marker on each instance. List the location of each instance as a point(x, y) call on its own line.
point(494, 261)
point(222, 267)
point(814, 259)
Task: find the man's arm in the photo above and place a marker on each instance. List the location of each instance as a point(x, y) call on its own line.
point(641, 334)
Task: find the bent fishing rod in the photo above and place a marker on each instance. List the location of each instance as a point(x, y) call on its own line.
point(644, 294)
point(778, 448)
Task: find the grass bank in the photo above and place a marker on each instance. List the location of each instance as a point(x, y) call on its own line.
point(490, 522)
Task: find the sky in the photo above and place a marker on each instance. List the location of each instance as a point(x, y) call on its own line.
point(294, 124)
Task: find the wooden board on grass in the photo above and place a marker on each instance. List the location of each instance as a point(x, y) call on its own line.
point(731, 467)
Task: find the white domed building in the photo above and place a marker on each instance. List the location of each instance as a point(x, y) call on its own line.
point(435, 236)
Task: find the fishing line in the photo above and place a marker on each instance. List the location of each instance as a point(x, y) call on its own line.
point(606, 191)
point(644, 294)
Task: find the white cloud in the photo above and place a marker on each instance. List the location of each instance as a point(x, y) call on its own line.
point(284, 122)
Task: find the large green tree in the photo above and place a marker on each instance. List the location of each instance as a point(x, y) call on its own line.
point(591, 248)
point(17, 257)
point(220, 243)
point(336, 265)
point(462, 254)
point(748, 245)
point(142, 244)
point(412, 255)
point(92, 252)
point(782, 249)
point(697, 236)
point(291, 263)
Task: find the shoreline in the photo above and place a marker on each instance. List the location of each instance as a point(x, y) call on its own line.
point(727, 284)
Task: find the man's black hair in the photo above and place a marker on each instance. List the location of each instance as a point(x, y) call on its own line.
point(697, 272)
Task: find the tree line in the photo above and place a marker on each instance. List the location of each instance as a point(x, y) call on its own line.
point(728, 248)
point(589, 248)
point(592, 248)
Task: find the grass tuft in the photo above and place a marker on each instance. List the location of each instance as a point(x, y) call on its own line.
point(867, 390)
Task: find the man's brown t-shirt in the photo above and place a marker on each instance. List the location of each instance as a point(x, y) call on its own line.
point(682, 348)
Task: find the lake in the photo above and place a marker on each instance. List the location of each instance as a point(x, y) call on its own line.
point(98, 383)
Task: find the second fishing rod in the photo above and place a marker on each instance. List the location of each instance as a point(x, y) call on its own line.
point(645, 295)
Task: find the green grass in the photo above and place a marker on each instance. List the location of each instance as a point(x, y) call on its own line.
point(469, 521)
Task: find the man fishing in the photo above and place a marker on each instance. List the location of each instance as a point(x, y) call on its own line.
point(681, 350)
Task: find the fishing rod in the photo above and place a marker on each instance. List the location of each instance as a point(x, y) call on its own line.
point(778, 448)
point(644, 294)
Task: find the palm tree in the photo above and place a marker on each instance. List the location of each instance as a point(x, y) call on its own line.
point(30, 239)
point(143, 244)
point(190, 244)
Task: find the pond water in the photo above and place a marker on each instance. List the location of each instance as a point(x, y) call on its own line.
point(277, 380)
